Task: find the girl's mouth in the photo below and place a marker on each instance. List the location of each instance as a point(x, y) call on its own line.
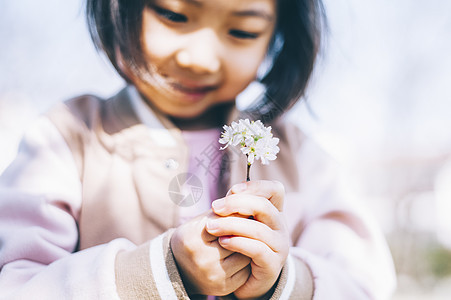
point(192, 92)
point(189, 91)
point(193, 89)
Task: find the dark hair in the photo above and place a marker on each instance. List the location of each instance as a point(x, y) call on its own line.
point(115, 27)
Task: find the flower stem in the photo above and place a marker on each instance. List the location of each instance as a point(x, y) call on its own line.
point(248, 178)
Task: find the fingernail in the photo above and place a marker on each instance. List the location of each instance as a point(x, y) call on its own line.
point(240, 187)
point(224, 240)
point(218, 204)
point(212, 225)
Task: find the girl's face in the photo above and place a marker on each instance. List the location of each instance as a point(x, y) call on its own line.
point(202, 52)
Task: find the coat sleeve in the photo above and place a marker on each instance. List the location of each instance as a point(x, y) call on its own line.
point(40, 199)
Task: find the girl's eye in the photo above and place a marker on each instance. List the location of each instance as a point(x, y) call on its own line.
point(240, 34)
point(170, 15)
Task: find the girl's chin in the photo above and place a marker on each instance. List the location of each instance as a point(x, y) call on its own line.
point(211, 117)
point(189, 109)
point(185, 112)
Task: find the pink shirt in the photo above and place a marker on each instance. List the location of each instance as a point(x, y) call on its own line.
point(204, 165)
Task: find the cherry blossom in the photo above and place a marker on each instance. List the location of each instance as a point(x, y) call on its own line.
point(255, 140)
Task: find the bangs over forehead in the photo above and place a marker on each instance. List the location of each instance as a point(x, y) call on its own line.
point(115, 27)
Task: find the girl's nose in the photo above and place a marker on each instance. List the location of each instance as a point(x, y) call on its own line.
point(200, 53)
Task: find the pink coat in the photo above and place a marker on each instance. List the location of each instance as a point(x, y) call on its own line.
point(84, 211)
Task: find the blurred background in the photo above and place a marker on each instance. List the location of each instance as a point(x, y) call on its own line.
point(380, 102)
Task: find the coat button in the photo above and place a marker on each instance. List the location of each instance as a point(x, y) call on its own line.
point(171, 164)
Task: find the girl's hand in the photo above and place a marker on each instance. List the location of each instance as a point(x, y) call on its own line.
point(207, 268)
point(264, 237)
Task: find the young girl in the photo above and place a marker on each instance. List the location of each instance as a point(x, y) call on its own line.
point(91, 209)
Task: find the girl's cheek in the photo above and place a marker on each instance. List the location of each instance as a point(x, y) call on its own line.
point(159, 45)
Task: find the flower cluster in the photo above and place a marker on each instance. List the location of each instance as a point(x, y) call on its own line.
point(256, 140)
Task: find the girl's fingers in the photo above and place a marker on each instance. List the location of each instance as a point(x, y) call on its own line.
point(235, 263)
point(207, 237)
point(249, 205)
point(193, 245)
point(240, 277)
point(235, 226)
point(274, 191)
point(261, 255)
point(219, 251)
